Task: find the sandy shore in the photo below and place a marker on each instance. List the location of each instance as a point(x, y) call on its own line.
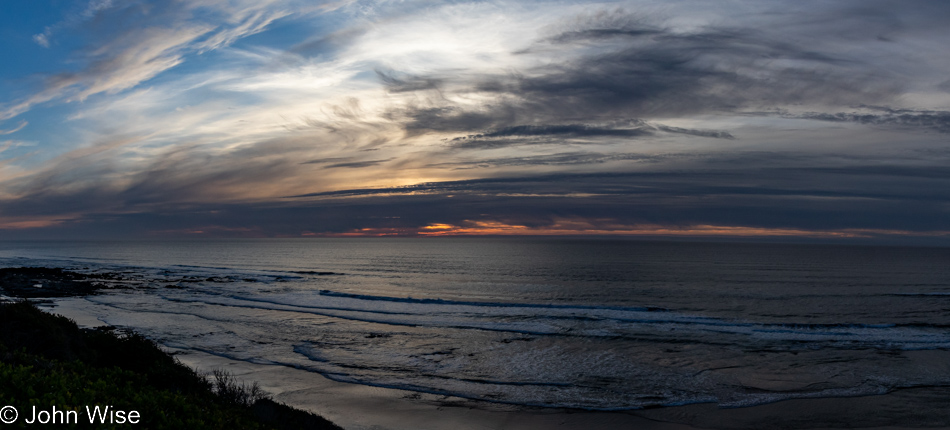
point(358, 407)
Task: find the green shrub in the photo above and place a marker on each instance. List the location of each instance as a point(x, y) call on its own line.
point(46, 361)
point(75, 385)
point(233, 393)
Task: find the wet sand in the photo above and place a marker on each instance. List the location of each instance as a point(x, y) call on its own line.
point(361, 407)
point(358, 407)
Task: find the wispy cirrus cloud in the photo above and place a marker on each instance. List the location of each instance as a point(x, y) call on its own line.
point(160, 38)
point(72, 19)
point(674, 114)
point(18, 127)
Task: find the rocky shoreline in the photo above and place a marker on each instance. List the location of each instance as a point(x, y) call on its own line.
point(36, 282)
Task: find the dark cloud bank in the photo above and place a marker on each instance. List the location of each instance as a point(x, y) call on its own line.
point(792, 198)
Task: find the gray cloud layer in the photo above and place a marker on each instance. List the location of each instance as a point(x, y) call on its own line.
point(888, 117)
point(776, 117)
point(650, 73)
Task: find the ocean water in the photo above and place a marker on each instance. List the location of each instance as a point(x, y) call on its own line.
point(590, 324)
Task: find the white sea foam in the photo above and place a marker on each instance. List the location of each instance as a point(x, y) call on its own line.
point(648, 329)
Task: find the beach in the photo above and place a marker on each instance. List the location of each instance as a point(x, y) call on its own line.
point(477, 334)
point(360, 407)
point(364, 408)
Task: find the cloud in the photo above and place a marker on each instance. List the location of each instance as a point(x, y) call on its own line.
point(162, 36)
point(400, 84)
point(356, 164)
point(697, 203)
point(558, 159)
point(7, 144)
point(887, 117)
point(561, 130)
point(72, 19)
point(701, 182)
point(606, 227)
point(573, 133)
point(42, 39)
point(477, 115)
point(252, 24)
point(19, 127)
point(650, 73)
point(715, 134)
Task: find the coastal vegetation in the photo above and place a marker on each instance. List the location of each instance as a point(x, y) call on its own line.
point(48, 363)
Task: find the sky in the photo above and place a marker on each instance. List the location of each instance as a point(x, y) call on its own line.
point(805, 120)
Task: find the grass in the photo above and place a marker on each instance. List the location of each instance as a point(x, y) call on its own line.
point(46, 360)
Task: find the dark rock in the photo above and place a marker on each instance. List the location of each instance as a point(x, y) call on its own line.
point(30, 282)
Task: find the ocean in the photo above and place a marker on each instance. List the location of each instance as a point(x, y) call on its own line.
point(562, 323)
